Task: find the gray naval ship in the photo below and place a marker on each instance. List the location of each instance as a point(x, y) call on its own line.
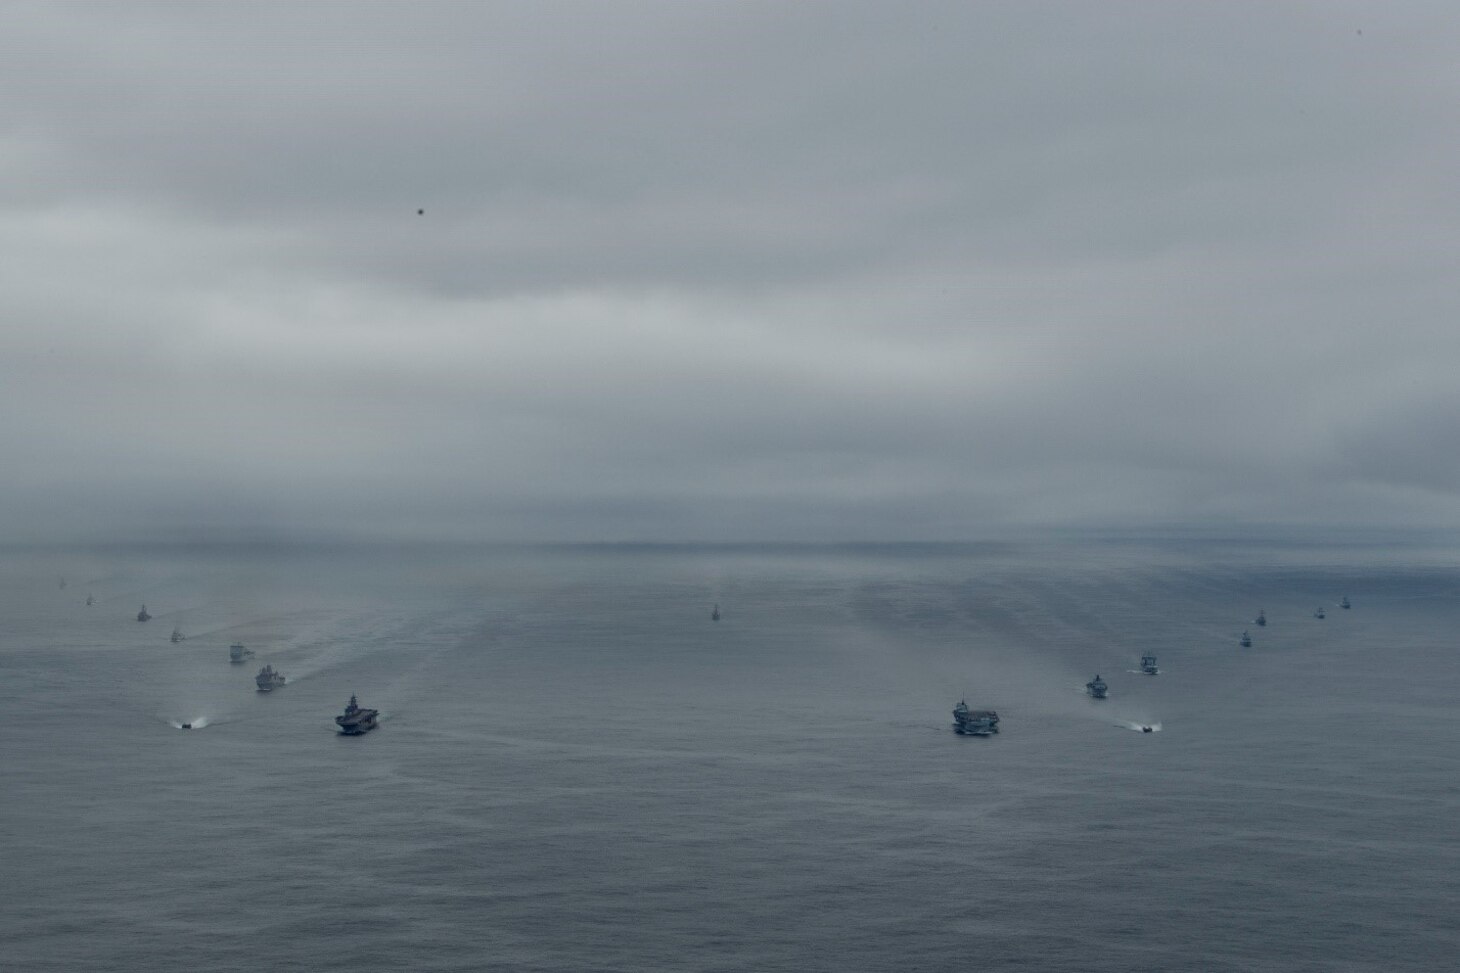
point(1245, 641)
point(974, 722)
point(1096, 687)
point(1148, 665)
point(356, 719)
point(237, 653)
point(1261, 618)
point(1344, 602)
point(177, 635)
point(269, 679)
point(142, 615)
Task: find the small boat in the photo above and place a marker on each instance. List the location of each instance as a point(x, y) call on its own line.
point(1261, 618)
point(187, 726)
point(177, 635)
point(715, 613)
point(1343, 602)
point(237, 653)
point(974, 722)
point(1096, 687)
point(90, 601)
point(1246, 641)
point(1145, 729)
point(1148, 665)
point(142, 615)
point(1318, 612)
point(269, 679)
point(356, 719)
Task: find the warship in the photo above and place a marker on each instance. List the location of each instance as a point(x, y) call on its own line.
point(974, 722)
point(142, 615)
point(1344, 603)
point(1096, 687)
point(237, 653)
point(1246, 641)
point(1318, 612)
point(715, 613)
point(90, 601)
point(269, 679)
point(1261, 618)
point(1148, 665)
point(177, 635)
point(356, 720)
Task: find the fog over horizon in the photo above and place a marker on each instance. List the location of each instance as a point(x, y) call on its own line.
point(727, 271)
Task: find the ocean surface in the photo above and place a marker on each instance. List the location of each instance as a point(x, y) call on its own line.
point(578, 770)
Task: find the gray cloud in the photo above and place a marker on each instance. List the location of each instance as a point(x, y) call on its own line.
point(726, 270)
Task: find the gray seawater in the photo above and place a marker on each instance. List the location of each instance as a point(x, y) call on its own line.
point(578, 770)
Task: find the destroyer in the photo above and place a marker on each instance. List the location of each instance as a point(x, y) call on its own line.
point(269, 679)
point(177, 635)
point(356, 720)
point(715, 614)
point(142, 615)
point(237, 653)
point(1246, 641)
point(974, 722)
point(1096, 687)
point(1261, 618)
point(1148, 665)
point(1343, 602)
point(1318, 612)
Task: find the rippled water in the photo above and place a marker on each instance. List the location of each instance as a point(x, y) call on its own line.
point(578, 770)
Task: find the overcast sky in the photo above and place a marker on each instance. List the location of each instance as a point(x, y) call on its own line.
point(820, 271)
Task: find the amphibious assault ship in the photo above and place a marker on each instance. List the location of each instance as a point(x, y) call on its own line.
point(269, 679)
point(1096, 687)
point(356, 720)
point(974, 722)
